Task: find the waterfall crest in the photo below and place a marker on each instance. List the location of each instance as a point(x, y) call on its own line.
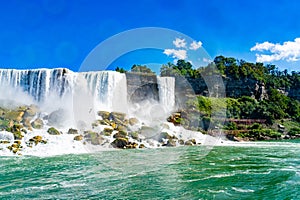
point(103, 90)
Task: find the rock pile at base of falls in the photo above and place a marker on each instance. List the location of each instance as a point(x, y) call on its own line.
point(113, 128)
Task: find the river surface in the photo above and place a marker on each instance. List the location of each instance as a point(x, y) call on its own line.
point(250, 171)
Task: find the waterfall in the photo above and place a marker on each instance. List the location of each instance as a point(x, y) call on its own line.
point(108, 88)
point(103, 90)
point(39, 83)
point(166, 87)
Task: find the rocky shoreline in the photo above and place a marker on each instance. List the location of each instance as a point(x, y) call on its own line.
point(111, 129)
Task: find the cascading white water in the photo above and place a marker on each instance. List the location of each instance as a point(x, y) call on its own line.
point(106, 90)
point(40, 83)
point(166, 87)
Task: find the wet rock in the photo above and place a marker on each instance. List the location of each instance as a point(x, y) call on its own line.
point(134, 135)
point(181, 142)
point(175, 118)
point(37, 124)
point(31, 111)
point(107, 131)
point(14, 115)
point(120, 134)
point(104, 114)
point(26, 122)
point(131, 145)
point(133, 121)
point(120, 143)
point(104, 122)
point(37, 139)
point(16, 130)
point(190, 142)
point(165, 135)
point(15, 147)
point(171, 143)
point(142, 146)
point(53, 131)
point(78, 137)
point(72, 131)
point(93, 137)
point(117, 116)
point(121, 128)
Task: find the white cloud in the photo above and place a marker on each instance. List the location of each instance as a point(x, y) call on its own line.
point(207, 60)
point(289, 51)
point(195, 45)
point(177, 54)
point(179, 43)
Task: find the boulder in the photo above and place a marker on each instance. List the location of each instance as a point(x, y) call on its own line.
point(53, 131)
point(26, 122)
point(16, 130)
point(142, 146)
point(181, 142)
point(190, 142)
point(93, 137)
point(131, 145)
point(165, 135)
point(117, 115)
point(72, 131)
point(14, 115)
point(134, 135)
point(120, 143)
point(57, 118)
point(15, 147)
point(37, 124)
point(78, 137)
point(31, 111)
point(103, 114)
point(121, 128)
point(120, 134)
point(97, 140)
point(175, 118)
point(37, 139)
point(107, 131)
point(171, 143)
point(133, 121)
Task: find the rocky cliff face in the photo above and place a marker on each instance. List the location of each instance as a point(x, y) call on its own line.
point(141, 87)
point(233, 88)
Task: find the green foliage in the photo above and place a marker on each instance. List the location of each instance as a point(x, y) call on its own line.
point(121, 70)
point(231, 126)
point(256, 126)
point(182, 68)
point(294, 131)
point(141, 69)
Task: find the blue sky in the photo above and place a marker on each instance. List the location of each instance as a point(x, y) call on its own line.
point(58, 33)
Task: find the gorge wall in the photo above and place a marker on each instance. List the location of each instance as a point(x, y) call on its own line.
point(243, 87)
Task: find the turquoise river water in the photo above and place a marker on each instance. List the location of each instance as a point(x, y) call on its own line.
point(256, 171)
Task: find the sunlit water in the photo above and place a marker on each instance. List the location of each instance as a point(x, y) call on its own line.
point(263, 171)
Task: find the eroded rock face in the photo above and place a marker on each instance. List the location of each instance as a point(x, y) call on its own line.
point(233, 88)
point(141, 87)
